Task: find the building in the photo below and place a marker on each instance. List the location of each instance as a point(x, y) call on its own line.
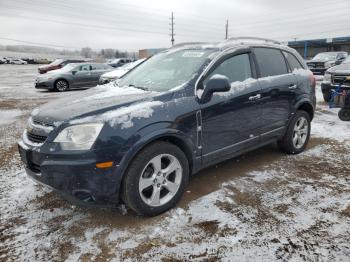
point(144, 53)
point(310, 48)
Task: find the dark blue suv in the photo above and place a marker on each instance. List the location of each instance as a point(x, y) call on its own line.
point(138, 140)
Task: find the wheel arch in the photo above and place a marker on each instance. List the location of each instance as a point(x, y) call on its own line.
point(307, 107)
point(171, 136)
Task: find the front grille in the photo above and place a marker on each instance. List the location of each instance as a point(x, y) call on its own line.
point(36, 138)
point(340, 79)
point(316, 65)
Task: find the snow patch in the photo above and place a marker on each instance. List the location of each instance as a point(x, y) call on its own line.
point(123, 116)
point(9, 116)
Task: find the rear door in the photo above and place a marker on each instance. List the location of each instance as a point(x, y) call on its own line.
point(278, 86)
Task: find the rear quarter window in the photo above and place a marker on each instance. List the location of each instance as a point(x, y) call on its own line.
point(270, 62)
point(292, 61)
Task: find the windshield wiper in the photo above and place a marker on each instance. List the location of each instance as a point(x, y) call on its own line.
point(139, 87)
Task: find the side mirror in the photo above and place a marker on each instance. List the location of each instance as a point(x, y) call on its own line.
point(217, 83)
point(74, 72)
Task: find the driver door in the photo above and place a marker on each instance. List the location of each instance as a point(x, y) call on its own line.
point(231, 121)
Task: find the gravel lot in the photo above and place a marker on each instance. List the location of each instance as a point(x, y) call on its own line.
point(263, 205)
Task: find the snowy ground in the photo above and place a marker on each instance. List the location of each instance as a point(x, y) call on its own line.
point(262, 206)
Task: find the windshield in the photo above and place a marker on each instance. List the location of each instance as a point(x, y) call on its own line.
point(168, 70)
point(329, 56)
point(56, 62)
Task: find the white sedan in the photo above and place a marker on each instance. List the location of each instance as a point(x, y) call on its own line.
point(18, 62)
point(118, 73)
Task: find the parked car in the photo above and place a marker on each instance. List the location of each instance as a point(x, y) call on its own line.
point(57, 64)
point(119, 62)
point(16, 61)
point(323, 61)
point(119, 72)
point(334, 76)
point(180, 111)
point(72, 76)
point(3, 61)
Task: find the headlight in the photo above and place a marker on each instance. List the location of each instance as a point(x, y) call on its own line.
point(329, 64)
point(79, 137)
point(44, 78)
point(327, 77)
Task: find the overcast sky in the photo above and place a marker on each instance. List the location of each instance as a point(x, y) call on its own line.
point(135, 24)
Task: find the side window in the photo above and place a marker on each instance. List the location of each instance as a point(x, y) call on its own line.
point(236, 68)
point(292, 61)
point(270, 61)
point(84, 68)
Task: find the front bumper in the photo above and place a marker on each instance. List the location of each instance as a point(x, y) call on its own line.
point(103, 81)
point(318, 71)
point(44, 84)
point(75, 177)
point(327, 87)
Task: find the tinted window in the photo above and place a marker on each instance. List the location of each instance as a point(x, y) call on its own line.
point(270, 61)
point(236, 68)
point(292, 61)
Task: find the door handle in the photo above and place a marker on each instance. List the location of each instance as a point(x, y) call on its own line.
point(292, 87)
point(254, 98)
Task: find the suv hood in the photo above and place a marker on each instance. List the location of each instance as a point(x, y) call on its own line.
point(340, 69)
point(96, 100)
point(320, 60)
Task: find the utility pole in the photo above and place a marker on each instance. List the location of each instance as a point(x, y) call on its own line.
point(226, 30)
point(172, 28)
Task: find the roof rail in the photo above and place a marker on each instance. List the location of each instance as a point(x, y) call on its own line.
point(189, 43)
point(253, 38)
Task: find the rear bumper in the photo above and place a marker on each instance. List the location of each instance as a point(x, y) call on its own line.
point(77, 180)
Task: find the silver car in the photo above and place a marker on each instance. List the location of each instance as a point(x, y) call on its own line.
point(72, 76)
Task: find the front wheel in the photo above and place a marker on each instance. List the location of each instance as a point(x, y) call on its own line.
point(297, 135)
point(156, 179)
point(344, 114)
point(61, 85)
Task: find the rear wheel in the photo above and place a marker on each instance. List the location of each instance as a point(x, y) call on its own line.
point(61, 85)
point(297, 135)
point(156, 179)
point(344, 114)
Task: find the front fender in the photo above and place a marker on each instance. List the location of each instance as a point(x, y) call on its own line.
point(151, 133)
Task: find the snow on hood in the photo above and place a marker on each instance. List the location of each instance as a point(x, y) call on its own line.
point(342, 68)
point(97, 99)
point(123, 116)
point(115, 73)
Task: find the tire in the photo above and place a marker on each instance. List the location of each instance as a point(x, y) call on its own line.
point(61, 85)
point(327, 96)
point(145, 190)
point(344, 114)
point(297, 135)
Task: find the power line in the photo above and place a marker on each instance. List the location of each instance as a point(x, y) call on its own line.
point(172, 29)
point(36, 43)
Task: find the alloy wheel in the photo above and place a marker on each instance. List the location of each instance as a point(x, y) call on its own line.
point(61, 85)
point(300, 132)
point(160, 180)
